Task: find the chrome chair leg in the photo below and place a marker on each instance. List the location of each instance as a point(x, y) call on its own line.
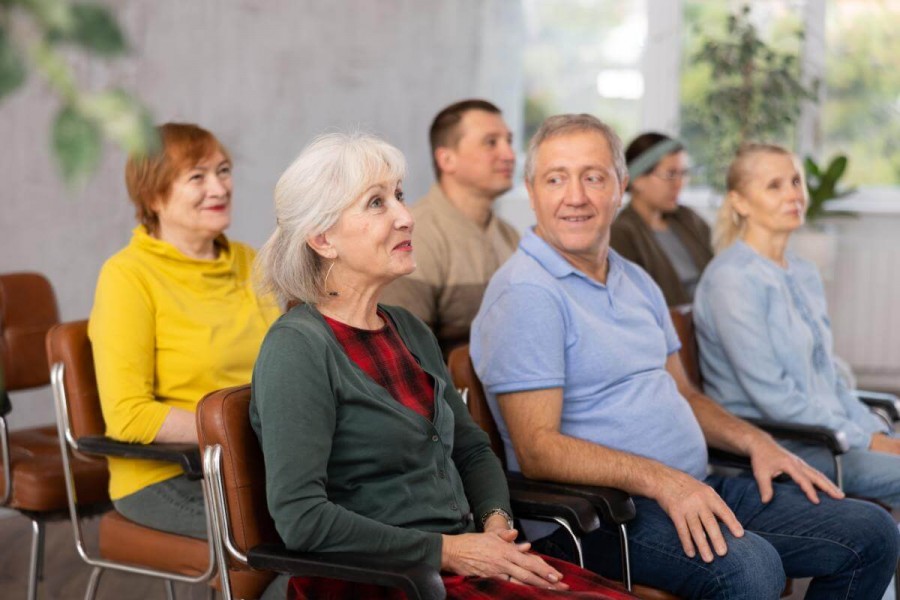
point(626, 556)
point(37, 551)
point(210, 593)
point(93, 583)
point(170, 590)
point(42, 544)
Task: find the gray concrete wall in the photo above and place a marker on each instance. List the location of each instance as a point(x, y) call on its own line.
point(265, 76)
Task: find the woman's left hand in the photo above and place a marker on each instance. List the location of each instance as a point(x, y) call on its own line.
point(495, 554)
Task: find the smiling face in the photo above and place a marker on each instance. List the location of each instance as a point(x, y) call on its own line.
point(658, 190)
point(483, 159)
point(773, 198)
point(371, 243)
point(575, 194)
point(198, 207)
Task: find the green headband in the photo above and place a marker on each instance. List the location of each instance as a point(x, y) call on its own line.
point(646, 161)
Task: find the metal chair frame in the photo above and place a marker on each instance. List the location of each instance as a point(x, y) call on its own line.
point(67, 441)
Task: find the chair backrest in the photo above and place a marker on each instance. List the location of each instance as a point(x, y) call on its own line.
point(68, 343)
point(27, 310)
point(683, 319)
point(464, 377)
point(223, 418)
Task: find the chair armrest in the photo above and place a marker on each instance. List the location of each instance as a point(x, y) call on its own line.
point(889, 403)
point(612, 504)
point(723, 458)
point(185, 455)
point(835, 441)
point(577, 512)
point(417, 580)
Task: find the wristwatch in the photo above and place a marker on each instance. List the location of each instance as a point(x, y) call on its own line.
point(496, 511)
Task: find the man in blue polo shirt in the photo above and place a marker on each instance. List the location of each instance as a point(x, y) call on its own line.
point(580, 362)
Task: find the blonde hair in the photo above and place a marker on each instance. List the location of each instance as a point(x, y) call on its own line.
point(729, 223)
point(327, 176)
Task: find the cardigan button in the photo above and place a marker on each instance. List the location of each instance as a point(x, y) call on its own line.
point(434, 438)
point(441, 473)
point(453, 506)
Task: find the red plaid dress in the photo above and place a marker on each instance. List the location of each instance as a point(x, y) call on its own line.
point(386, 359)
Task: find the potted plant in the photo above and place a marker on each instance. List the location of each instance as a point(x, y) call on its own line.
point(822, 185)
point(818, 241)
point(740, 88)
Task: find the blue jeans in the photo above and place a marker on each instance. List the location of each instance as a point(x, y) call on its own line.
point(849, 548)
point(866, 474)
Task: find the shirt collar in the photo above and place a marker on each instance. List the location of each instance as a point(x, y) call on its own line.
point(555, 264)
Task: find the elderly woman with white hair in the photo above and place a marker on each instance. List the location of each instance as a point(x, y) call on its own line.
point(368, 446)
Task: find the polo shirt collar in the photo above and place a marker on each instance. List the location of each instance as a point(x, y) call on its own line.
point(555, 264)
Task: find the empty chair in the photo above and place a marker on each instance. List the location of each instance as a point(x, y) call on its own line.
point(32, 477)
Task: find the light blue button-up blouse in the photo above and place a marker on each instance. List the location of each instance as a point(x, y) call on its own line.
point(766, 345)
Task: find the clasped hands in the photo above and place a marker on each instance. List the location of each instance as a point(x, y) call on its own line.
point(495, 553)
point(696, 509)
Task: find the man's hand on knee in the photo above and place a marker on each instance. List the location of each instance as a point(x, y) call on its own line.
point(696, 510)
point(769, 460)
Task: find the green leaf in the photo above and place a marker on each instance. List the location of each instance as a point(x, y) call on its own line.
point(12, 68)
point(811, 167)
point(836, 169)
point(76, 144)
point(123, 120)
point(92, 27)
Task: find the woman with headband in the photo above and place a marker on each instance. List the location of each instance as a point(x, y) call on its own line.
point(671, 242)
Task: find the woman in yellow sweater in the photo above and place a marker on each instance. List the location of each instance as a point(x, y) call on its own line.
point(175, 316)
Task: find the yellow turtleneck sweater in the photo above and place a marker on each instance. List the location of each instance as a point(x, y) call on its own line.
point(167, 329)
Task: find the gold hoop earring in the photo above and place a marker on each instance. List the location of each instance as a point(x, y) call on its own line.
point(325, 282)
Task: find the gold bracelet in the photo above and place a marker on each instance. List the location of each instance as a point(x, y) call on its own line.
point(497, 511)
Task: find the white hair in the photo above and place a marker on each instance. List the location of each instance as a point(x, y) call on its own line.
point(330, 173)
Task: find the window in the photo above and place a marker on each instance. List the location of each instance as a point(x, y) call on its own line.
point(585, 56)
point(860, 115)
point(710, 136)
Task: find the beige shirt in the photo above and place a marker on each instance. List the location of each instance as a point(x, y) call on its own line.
point(455, 259)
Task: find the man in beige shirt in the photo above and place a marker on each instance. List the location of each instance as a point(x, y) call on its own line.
point(458, 241)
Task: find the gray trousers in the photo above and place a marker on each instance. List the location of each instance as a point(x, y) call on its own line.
point(174, 505)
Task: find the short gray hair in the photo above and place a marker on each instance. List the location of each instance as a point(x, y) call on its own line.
point(330, 173)
point(563, 124)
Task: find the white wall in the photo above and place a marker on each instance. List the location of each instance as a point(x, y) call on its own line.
point(265, 76)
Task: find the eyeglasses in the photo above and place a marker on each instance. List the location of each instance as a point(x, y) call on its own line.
point(673, 175)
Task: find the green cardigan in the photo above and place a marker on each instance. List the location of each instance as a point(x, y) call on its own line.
point(350, 469)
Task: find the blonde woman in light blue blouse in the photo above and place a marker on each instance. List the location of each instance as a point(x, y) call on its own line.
point(763, 328)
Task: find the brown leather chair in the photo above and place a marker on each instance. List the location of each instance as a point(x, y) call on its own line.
point(616, 508)
point(32, 477)
point(245, 536)
point(124, 545)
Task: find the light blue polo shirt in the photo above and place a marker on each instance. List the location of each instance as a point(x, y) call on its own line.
point(545, 324)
